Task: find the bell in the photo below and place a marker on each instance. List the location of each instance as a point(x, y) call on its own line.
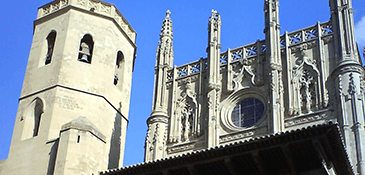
point(84, 58)
point(85, 52)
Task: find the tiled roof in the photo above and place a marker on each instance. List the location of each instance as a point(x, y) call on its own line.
point(295, 150)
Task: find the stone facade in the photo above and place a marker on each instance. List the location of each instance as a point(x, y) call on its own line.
point(307, 77)
point(73, 109)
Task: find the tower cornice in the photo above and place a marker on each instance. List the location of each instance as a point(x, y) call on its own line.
point(95, 7)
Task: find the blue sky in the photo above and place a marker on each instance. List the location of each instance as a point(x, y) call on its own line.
point(242, 23)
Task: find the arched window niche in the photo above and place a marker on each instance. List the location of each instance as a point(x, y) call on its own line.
point(119, 68)
point(86, 49)
point(32, 119)
point(51, 39)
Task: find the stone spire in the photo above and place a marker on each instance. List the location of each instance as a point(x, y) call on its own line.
point(157, 124)
point(348, 76)
point(272, 31)
point(343, 23)
point(164, 61)
point(273, 55)
point(214, 46)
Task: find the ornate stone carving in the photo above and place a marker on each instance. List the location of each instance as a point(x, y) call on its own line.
point(54, 6)
point(236, 136)
point(352, 87)
point(328, 39)
point(304, 46)
point(148, 138)
point(180, 148)
point(306, 84)
point(243, 74)
point(305, 119)
point(185, 123)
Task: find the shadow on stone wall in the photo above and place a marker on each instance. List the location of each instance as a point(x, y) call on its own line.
point(114, 153)
point(52, 158)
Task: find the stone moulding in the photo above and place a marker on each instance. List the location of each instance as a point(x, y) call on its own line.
point(236, 136)
point(83, 124)
point(181, 148)
point(307, 118)
point(226, 106)
point(94, 6)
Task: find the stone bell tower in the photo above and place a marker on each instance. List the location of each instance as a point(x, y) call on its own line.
point(73, 109)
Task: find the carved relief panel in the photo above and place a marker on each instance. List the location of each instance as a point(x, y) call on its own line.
point(305, 84)
point(185, 121)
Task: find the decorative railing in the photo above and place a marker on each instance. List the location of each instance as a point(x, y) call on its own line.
point(255, 49)
point(90, 5)
point(192, 68)
point(52, 7)
point(307, 34)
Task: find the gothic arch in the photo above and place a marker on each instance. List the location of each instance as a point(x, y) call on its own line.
point(32, 119)
point(51, 40)
point(119, 70)
point(86, 49)
point(184, 125)
point(306, 86)
point(245, 77)
point(47, 48)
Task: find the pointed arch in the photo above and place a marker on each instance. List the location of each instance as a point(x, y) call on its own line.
point(184, 124)
point(306, 88)
point(119, 69)
point(32, 119)
point(51, 40)
point(86, 49)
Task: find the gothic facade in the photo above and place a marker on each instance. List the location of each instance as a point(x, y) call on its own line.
point(308, 77)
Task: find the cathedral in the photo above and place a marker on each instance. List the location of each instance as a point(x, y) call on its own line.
point(288, 104)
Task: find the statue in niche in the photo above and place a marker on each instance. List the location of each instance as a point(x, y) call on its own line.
point(185, 125)
point(306, 85)
point(186, 122)
point(84, 52)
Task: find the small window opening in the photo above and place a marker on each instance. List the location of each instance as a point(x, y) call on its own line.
point(116, 79)
point(32, 119)
point(120, 59)
point(78, 139)
point(118, 67)
point(51, 38)
point(86, 49)
point(38, 111)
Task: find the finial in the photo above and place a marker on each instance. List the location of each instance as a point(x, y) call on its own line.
point(168, 12)
point(214, 11)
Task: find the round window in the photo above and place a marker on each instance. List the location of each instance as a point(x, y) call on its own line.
point(247, 112)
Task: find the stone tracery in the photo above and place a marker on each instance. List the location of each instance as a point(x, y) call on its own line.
point(185, 123)
point(306, 85)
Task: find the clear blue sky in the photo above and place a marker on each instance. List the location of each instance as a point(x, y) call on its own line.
point(242, 23)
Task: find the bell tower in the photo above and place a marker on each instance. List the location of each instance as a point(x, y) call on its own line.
point(73, 109)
